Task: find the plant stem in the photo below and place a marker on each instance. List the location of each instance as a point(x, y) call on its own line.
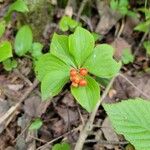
point(89, 125)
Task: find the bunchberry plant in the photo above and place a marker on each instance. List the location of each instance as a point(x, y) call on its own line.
point(75, 59)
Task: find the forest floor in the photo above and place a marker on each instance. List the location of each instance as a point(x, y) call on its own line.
point(63, 118)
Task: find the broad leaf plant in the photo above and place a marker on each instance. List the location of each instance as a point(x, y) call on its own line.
point(77, 60)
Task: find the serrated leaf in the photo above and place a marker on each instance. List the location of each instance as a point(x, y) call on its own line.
point(23, 40)
point(131, 118)
point(36, 124)
point(87, 96)
point(66, 22)
point(101, 62)
point(47, 63)
point(60, 48)
point(2, 27)
point(62, 146)
point(53, 83)
point(36, 50)
point(5, 50)
point(81, 45)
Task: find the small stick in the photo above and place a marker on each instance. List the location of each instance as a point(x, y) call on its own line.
point(81, 9)
point(140, 91)
point(88, 126)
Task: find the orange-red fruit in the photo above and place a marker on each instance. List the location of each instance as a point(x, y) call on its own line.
point(73, 72)
point(74, 84)
point(75, 78)
point(83, 71)
point(82, 82)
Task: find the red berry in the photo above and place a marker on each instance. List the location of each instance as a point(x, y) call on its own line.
point(83, 71)
point(82, 82)
point(73, 72)
point(74, 84)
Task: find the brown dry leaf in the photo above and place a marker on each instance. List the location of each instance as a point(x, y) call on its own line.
point(108, 17)
point(34, 107)
point(68, 115)
point(120, 45)
point(109, 132)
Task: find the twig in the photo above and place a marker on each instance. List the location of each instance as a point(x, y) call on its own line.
point(104, 142)
point(50, 142)
point(141, 42)
point(81, 9)
point(89, 125)
point(11, 112)
point(20, 75)
point(140, 91)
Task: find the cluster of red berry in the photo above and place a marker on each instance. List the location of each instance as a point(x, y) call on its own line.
point(77, 77)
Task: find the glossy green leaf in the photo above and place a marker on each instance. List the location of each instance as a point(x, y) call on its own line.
point(23, 40)
point(9, 64)
point(60, 48)
point(61, 146)
point(53, 83)
point(5, 50)
point(127, 57)
point(67, 23)
point(87, 96)
point(36, 50)
point(47, 63)
point(147, 46)
point(2, 27)
point(131, 118)
point(101, 62)
point(81, 45)
point(36, 124)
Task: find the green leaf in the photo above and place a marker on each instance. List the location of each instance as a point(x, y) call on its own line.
point(66, 22)
point(36, 50)
point(47, 63)
point(53, 83)
point(131, 118)
point(87, 96)
point(127, 57)
point(9, 64)
point(62, 146)
point(23, 40)
point(147, 46)
point(143, 27)
point(96, 36)
point(18, 5)
point(2, 27)
point(81, 45)
point(36, 124)
point(114, 4)
point(60, 48)
point(101, 62)
point(5, 50)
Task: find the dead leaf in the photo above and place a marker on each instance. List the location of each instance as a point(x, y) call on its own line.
point(108, 17)
point(120, 45)
point(109, 133)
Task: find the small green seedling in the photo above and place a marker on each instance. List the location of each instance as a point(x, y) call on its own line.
point(61, 146)
point(18, 6)
point(127, 57)
point(74, 59)
point(36, 124)
point(2, 27)
point(67, 23)
point(147, 46)
point(122, 6)
point(9, 64)
point(144, 26)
